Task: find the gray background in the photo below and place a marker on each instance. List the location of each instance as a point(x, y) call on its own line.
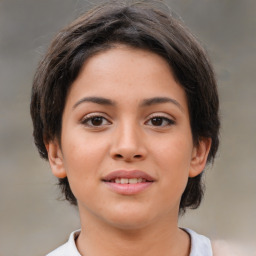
point(32, 220)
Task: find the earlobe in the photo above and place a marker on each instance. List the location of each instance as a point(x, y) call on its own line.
point(56, 159)
point(199, 156)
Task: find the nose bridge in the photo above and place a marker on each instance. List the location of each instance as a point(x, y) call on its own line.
point(127, 135)
point(128, 141)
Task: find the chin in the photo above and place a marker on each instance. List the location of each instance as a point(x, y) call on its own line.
point(130, 225)
point(130, 219)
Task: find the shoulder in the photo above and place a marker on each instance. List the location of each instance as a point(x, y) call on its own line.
point(200, 245)
point(221, 248)
point(60, 251)
point(69, 248)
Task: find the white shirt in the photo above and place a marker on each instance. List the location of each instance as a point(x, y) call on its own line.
point(200, 245)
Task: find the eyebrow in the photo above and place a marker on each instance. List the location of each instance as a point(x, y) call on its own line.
point(159, 100)
point(97, 100)
point(145, 103)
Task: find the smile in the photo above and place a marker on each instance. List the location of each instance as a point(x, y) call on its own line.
point(128, 182)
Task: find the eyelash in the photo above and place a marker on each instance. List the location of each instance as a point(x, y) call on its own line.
point(89, 118)
point(87, 121)
point(168, 121)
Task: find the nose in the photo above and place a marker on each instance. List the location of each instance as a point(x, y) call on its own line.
point(128, 144)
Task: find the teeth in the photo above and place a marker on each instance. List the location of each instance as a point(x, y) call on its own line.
point(117, 180)
point(124, 181)
point(129, 181)
point(133, 181)
point(140, 180)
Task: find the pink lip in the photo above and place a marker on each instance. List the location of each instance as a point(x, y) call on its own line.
point(128, 189)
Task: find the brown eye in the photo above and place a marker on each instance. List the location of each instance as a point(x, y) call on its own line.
point(160, 121)
point(157, 121)
point(95, 121)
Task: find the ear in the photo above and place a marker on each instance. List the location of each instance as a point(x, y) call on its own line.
point(55, 157)
point(199, 156)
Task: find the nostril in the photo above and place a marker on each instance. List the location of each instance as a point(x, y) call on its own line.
point(119, 156)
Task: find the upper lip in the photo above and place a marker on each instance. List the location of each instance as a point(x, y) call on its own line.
point(128, 175)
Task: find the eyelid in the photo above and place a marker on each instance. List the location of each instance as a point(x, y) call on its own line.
point(161, 114)
point(171, 120)
point(89, 116)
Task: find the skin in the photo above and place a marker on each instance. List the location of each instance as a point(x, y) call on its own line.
point(127, 135)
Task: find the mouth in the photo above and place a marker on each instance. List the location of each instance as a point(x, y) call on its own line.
point(128, 182)
point(128, 177)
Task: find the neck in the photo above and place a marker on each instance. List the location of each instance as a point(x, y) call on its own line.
point(163, 239)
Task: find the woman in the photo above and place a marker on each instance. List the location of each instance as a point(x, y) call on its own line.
point(125, 108)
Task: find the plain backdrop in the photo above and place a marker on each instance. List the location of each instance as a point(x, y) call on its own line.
point(32, 219)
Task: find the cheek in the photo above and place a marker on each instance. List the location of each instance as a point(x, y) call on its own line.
point(82, 154)
point(173, 157)
point(174, 151)
point(82, 163)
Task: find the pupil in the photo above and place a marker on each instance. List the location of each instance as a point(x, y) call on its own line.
point(96, 121)
point(157, 121)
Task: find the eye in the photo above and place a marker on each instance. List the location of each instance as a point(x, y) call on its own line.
point(160, 121)
point(95, 121)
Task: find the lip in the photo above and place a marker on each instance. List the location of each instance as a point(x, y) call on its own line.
point(128, 175)
point(128, 189)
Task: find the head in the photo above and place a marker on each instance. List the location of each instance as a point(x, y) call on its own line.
point(139, 26)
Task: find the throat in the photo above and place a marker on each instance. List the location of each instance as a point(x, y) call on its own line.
point(133, 243)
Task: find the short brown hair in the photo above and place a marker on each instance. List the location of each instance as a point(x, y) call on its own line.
point(140, 25)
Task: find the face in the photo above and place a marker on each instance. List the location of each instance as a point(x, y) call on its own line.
point(126, 143)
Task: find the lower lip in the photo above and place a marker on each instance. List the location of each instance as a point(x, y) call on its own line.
point(128, 189)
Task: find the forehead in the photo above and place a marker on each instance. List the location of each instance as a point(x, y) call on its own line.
point(125, 55)
point(126, 73)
